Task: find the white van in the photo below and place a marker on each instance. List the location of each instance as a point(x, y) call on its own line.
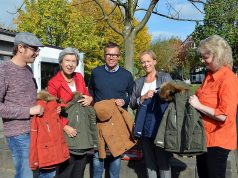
point(46, 65)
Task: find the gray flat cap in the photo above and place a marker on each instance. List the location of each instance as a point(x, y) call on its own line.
point(68, 51)
point(28, 39)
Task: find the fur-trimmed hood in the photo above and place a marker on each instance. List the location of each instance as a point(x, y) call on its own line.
point(169, 89)
point(45, 96)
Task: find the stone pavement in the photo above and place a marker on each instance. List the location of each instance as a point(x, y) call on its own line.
point(182, 167)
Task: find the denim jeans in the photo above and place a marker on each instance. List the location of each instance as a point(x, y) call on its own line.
point(19, 147)
point(98, 166)
point(212, 164)
point(157, 160)
point(47, 173)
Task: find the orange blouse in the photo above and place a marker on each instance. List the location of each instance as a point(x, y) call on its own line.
point(220, 91)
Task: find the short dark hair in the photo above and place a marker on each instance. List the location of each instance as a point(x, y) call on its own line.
point(111, 45)
point(15, 50)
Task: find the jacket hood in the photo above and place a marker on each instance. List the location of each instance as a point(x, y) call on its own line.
point(45, 96)
point(105, 109)
point(169, 89)
point(77, 96)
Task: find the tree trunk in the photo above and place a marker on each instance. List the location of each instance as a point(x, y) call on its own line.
point(129, 51)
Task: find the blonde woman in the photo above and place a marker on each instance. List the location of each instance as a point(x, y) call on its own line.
point(217, 100)
point(156, 159)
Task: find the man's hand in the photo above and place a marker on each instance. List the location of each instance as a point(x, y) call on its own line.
point(86, 101)
point(120, 102)
point(36, 110)
point(71, 132)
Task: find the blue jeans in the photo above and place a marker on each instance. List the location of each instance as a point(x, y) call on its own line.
point(45, 173)
point(98, 166)
point(19, 147)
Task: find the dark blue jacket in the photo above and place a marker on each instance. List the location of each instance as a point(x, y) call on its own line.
point(149, 116)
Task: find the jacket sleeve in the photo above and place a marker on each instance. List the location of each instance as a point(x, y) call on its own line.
point(127, 119)
point(134, 99)
point(101, 144)
point(53, 90)
point(82, 84)
point(7, 111)
point(91, 84)
point(129, 89)
point(33, 160)
point(160, 136)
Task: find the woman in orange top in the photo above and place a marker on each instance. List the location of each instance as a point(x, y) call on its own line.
point(217, 100)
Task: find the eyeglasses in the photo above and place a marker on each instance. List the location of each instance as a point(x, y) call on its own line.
point(34, 49)
point(112, 55)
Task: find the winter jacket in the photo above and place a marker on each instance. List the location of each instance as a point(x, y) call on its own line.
point(181, 129)
point(149, 116)
point(83, 119)
point(114, 128)
point(47, 143)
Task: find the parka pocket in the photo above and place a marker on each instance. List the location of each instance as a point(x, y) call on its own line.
point(46, 153)
point(171, 141)
point(197, 139)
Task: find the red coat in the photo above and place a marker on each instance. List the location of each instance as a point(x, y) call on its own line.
point(48, 146)
point(58, 87)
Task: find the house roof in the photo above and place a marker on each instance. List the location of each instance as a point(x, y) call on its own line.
point(7, 32)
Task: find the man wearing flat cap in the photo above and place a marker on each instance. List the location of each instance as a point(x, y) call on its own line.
point(18, 100)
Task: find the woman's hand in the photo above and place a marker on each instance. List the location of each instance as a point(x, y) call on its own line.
point(71, 132)
point(208, 111)
point(148, 95)
point(86, 101)
point(194, 101)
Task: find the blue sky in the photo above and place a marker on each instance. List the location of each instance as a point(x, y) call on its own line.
point(157, 26)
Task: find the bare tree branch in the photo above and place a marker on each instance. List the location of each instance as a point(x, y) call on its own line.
point(197, 7)
point(197, 1)
point(170, 17)
point(118, 2)
point(107, 18)
point(147, 15)
point(18, 9)
point(170, 13)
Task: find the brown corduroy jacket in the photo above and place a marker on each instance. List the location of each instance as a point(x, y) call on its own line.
point(114, 128)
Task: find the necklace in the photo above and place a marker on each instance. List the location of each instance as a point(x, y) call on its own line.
point(69, 81)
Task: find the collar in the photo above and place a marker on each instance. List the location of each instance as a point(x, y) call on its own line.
point(116, 68)
point(218, 74)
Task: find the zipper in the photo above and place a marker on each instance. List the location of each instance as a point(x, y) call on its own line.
point(48, 127)
point(77, 117)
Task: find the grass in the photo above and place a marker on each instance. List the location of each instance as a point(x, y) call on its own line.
point(194, 87)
